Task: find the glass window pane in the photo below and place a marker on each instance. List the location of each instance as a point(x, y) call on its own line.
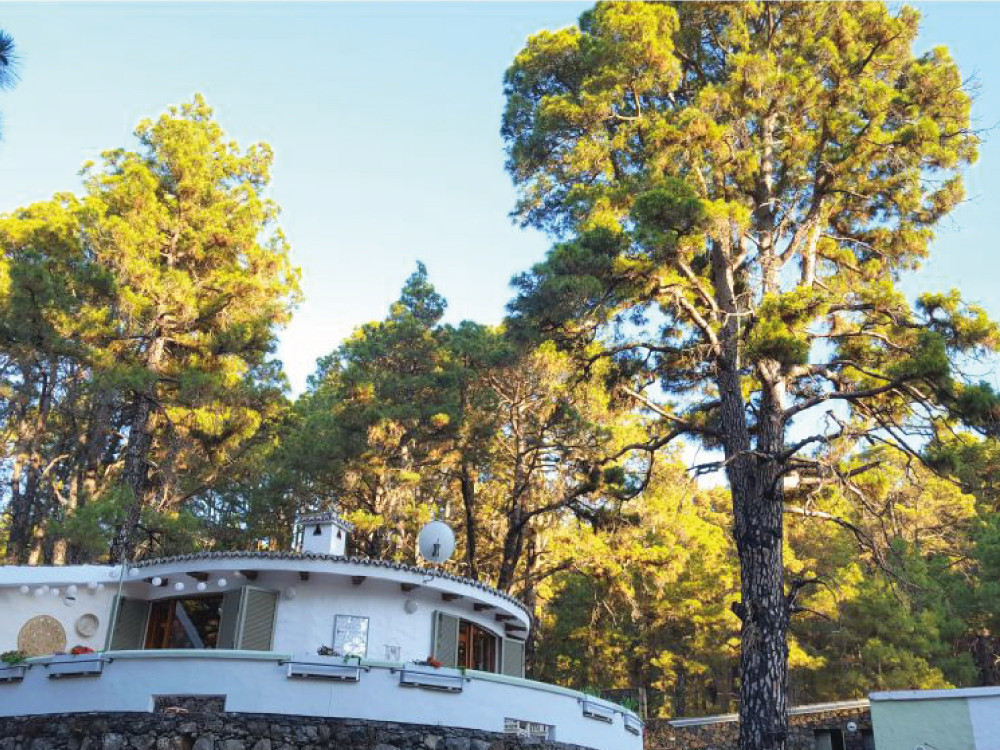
point(191, 622)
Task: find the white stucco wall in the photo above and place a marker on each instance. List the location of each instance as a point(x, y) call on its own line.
point(259, 684)
point(984, 714)
point(307, 621)
point(17, 608)
point(304, 621)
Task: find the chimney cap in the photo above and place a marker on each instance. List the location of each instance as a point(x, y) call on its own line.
point(325, 517)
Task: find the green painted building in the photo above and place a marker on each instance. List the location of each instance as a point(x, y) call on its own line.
point(962, 719)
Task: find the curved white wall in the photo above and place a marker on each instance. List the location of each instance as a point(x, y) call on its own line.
point(17, 608)
point(303, 623)
point(306, 622)
point(258, 683)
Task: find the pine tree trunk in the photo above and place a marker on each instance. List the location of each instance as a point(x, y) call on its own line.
point(764, 652)
point(468, 487)
point(135, 474)
point(17, 552)
point(754, 480)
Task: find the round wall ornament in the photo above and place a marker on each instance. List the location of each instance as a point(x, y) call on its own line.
point(86, 625)
point(41, 635)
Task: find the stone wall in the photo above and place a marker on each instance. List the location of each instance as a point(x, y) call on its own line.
point(178, 727)
point(722, 735)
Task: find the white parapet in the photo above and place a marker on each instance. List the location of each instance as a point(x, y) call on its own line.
point(271, 683)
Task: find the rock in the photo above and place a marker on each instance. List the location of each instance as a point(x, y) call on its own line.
point(112, 741)
point(205, 742)
point(480, 745)
point(234, 745)
point(383, 746)
point(41, 743)
point(457, 743)
point(264, 744)
point(432, 741)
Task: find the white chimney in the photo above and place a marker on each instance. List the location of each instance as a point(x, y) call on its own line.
point(324, 533)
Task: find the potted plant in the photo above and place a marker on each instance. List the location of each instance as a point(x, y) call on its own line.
point(13, 666)
point(331, 665)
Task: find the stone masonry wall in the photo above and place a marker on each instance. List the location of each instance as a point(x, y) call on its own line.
point(187, 729)
point(723, 735)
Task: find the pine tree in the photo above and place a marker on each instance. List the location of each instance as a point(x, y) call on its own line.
point(739, 188)
point(136, 328)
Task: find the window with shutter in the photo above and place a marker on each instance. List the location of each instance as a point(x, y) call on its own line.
point(445, 646)
point(229, 619)
point(130, 624)
point(257, 621)
point(513, 658)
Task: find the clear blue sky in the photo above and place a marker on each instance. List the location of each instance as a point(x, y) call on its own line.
point(384, 119)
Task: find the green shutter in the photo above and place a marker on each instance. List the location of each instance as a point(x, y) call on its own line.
point(445, 639)
point(257, 621)
point(513, 658)
point(229, 619)
point(130, 624)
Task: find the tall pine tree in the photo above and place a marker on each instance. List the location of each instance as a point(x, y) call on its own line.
point(740, 188)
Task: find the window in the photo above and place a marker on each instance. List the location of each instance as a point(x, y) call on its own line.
point(185, 622)
point(477, 647)
point(524, 728)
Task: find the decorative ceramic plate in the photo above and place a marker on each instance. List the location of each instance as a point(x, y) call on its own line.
point(41, 635)
point(86, 625)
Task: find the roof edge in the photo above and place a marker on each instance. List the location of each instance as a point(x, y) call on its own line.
point(365, 561)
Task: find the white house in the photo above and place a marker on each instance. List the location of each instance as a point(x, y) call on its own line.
point(409, 644)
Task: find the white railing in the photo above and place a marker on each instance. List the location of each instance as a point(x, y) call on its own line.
point(271, 683)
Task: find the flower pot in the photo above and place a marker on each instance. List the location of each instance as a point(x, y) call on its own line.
point(81, 665)
point(12, 672)
point(325, 668)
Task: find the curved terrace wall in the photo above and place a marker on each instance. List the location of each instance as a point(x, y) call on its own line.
point(134, 682)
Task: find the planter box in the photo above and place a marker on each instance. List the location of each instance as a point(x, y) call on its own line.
point(598, 712)
point(318, 668)
point(633, 725)
point(448, 680)
point(81, 665)
point(13, 672)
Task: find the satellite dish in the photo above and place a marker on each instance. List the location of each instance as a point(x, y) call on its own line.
point(436, 542)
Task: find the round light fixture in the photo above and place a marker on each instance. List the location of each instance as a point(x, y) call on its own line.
point(410, 606)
